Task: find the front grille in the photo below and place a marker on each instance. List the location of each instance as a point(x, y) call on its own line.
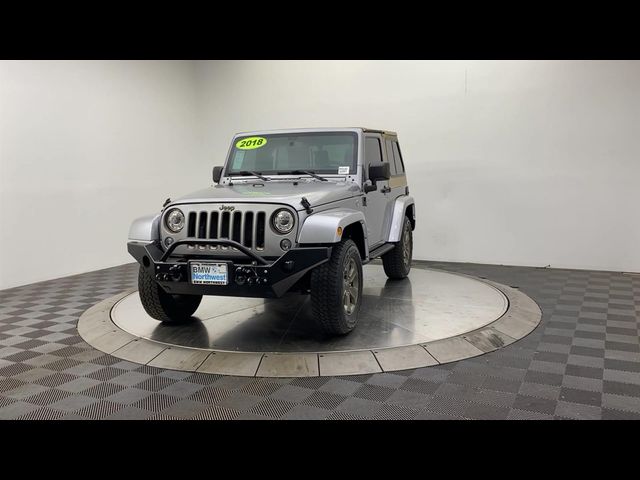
point(247, 228)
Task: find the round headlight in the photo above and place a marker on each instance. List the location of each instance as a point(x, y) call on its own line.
point(174, 220)
point(282, 221)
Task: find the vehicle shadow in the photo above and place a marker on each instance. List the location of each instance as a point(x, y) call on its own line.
point(386, 318)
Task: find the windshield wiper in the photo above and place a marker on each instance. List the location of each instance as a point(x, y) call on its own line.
point(255, 174)
point(309, 172)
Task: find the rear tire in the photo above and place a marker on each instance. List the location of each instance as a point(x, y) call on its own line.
point(397, 262)
point(336, 290)
point(164, 306)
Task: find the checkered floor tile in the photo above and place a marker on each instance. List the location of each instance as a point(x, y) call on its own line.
point(582, 362)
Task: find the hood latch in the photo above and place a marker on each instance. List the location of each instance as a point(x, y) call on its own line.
point(307, 206)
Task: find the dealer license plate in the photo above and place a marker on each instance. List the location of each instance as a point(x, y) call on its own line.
point(209, 273)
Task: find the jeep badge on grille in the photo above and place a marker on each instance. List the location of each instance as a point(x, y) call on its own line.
point(227, 208)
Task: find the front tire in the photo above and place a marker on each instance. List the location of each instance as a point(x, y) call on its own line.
point(397, 262)
point(336, 290)
point(164, 306)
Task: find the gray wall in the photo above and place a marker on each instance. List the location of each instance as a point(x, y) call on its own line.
point(510, 162)
point(526, 163)
point(84, 147)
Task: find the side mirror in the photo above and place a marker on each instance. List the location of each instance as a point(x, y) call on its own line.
point(217, 173)
point(380, 171)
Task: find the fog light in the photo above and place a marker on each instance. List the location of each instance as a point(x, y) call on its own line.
point(285, 244)
point(168, 241)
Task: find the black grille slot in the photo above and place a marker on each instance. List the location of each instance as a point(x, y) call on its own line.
point(224, 228)
point(237, 226)
point(202, 225)
point(248, 230)
point(191, 232)
point(260, 224)
point(213, 225)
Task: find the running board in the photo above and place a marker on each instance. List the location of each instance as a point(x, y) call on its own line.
point(381, 250)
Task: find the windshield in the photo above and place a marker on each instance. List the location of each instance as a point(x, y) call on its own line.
point(317, 152)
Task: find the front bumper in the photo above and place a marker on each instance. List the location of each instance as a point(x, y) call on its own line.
point(263, 278)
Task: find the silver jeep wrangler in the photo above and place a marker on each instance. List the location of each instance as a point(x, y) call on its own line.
point(292, 210)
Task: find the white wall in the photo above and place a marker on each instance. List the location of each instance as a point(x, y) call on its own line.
point(522, 163)
point(84, 148)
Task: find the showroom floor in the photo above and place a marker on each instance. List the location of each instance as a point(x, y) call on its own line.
point(581, 362)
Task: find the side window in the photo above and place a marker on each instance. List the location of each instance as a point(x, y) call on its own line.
point(372, 153)
point(398, 157)
point(392, 163)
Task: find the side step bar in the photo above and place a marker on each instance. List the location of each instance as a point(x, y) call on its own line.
point(381, 250)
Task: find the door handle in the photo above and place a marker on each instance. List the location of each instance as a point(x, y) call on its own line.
point(385, 189)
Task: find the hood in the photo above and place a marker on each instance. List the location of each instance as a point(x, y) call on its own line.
point(316, 192)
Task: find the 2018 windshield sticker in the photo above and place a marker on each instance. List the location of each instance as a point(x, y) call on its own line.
point(343, 170)
point(251, 143)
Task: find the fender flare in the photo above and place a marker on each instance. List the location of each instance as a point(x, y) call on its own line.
point(322, 227)
point(145, 229)
point(399, 211)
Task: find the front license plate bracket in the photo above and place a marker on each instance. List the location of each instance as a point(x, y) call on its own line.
point(209, 273)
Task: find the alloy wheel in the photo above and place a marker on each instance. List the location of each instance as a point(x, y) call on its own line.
point(351, 284)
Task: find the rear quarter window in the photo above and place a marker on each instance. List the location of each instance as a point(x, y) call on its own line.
point(390, 159)
point(398, 158)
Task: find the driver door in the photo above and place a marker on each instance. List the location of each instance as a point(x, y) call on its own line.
point(377, 200)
